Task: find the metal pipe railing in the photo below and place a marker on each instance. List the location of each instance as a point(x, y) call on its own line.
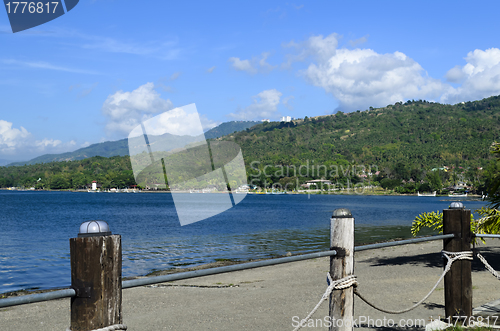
point(403, 242)
point(67, 293)
point(31, 298)
point(482, 235)
point(220, 270)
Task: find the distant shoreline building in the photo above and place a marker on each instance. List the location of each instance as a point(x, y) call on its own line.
point(94, 186)
point(317, 183)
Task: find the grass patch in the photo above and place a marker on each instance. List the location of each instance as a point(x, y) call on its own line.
point(463, 328)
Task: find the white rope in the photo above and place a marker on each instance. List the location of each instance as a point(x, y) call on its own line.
point(451, 256)
point(340, 284)
point(487, 265)
point(115, 327)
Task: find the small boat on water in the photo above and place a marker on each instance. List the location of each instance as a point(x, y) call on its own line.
point(241, 191)
point(433, 194)
point(458, 195)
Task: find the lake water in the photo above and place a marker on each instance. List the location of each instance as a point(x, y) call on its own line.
point(35, 228)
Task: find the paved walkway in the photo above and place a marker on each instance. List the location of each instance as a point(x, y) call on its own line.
point(275, 298)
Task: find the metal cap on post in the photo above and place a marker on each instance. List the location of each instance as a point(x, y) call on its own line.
point(342, 213)
point(96, 271)
point(456, 205)
point(342, 265)
point(94, 228)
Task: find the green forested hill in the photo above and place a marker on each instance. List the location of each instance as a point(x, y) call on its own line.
point(110, 172)
point(400, 140)
point(403, 141)
point(425, 134)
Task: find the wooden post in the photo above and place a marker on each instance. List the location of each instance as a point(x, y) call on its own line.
point(96, 269)
point(458, 281)
point(341, 265)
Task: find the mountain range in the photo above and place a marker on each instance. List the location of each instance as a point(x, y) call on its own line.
point(121, 147)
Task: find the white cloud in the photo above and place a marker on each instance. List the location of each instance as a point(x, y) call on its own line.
point(455, 75)
point(46, 66)
point(263, 64)
point(360, 78)
point(175, 75)
point(317, 46)
point(11, 137)
point(254, 65)
point(87, 91)
point(48, 143)
point(180, 121)
point(265, 105)
point(359, 41)
point(125, 110)
point(165, 88)
point(22, 144)
point(207, 123)
point(210, 70)
point(242, 65)
point(165, 50)
point(83, 91)
point(480, 77)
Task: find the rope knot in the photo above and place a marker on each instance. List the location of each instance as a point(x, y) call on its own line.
point(339, 284)
point(465, 255)
point(343, 283)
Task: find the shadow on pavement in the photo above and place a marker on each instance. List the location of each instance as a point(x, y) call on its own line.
point(434, 260)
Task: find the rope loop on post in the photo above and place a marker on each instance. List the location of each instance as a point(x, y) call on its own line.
point(115, 327)
point(340, 284)
point(488, 266)
point(450, 256)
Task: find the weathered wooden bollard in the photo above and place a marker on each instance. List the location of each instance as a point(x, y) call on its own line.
point(342, 265)
point(458, 281)
point(96, 269)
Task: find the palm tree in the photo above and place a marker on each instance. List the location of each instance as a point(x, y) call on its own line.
point(490, 215)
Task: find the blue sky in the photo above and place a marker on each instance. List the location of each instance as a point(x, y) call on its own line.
point(94, 73)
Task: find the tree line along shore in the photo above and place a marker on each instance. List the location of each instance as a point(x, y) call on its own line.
point(404, 148)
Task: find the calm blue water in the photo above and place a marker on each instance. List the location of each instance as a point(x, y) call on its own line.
point(35, 228)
